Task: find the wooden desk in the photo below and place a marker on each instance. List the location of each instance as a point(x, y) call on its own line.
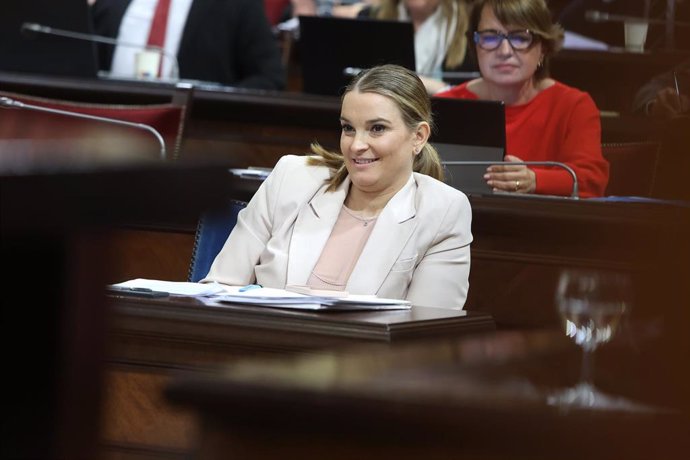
point(475, 398)
point(521, 244)
point(151, 338)
point(56, 211)
point(204, 332)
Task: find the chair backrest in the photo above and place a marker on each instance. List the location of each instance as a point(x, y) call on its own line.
point(212, 231)
point(168, 119)
point(632, 168)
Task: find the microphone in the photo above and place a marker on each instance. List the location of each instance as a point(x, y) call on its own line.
point(354, 71)
point(575, 193)
point(8, 103)
point(32, 28)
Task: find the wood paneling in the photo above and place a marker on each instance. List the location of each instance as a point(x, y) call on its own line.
point(135, 411)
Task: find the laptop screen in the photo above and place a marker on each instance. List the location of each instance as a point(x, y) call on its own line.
point(468, 130)
point(23, 51)
point(332, 50)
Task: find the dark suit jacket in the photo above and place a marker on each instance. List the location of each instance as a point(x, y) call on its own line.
point(224, 41)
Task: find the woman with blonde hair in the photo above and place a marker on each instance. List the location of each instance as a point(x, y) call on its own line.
point(440, 35)
point(373, 218)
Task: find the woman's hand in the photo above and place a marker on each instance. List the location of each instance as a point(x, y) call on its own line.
point(511, 178)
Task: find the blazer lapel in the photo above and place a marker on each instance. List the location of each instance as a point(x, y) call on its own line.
point(312, 229)
point(394, 227)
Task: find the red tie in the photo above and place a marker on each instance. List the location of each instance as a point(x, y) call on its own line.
point(158, 26)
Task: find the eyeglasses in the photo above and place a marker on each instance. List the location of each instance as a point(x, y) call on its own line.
point(490, 40)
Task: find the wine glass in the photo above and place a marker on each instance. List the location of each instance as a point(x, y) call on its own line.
point(591, 304)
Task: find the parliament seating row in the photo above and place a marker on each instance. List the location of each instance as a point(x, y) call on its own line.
point(113, 127)
point(245, 128)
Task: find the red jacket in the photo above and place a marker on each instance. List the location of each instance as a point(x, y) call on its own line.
point(560, 124)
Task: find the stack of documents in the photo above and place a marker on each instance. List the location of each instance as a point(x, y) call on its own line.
point(281, 298)
point(293, 297)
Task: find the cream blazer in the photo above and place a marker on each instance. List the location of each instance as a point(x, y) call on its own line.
point(419, 249)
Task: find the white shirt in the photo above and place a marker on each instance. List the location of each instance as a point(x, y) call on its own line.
point(134, 33)
point(431, 40)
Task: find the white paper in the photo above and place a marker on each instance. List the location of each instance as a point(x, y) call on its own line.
point(280, 298)
point(174, 287)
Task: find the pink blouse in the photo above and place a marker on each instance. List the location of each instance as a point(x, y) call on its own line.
point(342, 250)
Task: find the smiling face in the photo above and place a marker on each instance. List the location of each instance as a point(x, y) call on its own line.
point(377, 145)
point(505, 66)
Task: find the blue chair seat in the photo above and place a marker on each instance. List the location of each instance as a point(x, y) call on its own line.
point(212, 231)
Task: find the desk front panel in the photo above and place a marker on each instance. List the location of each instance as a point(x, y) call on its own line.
point(150, 339)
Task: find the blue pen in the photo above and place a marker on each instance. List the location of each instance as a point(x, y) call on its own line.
point(249, 287)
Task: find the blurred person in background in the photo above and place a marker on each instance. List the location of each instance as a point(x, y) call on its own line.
point(338, 8)
point(223, 41)
point(667, 95)
point(440, 35)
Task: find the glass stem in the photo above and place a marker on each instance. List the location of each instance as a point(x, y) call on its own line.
point(587, 363)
